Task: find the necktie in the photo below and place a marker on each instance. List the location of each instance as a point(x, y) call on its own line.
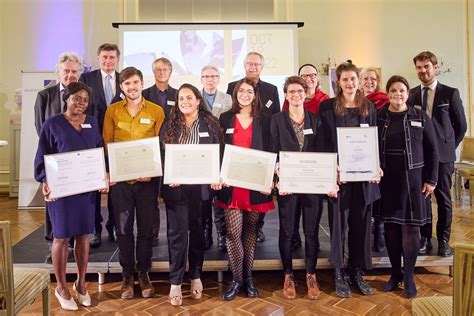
point(424, 102)
point(61, 101)
point(108, 89)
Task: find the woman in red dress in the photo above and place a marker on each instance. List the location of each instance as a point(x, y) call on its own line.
point(247, 126)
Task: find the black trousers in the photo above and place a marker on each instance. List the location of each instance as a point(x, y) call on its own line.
point(98, 216)
point(287, 206)
point(156, 221)
point(219, 219)
point(349, 215)
point(185, 235)
point(442, 193)
point(261, 220)
point(132, 202)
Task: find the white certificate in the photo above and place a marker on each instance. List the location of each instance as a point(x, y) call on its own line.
point(75, 172)
point(134, 159)
point(304, 172)
point(248, 168)
point(191, 164)
point(358, 149)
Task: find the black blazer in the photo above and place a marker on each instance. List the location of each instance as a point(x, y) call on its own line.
point(47, 104)
point(261, 140)
point(98, 105)
point(284, 137)
point(326, 138)
point(267, 92)
point(151, 94)
point(199, 191)
point(449, 120)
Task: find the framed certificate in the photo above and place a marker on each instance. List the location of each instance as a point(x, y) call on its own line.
point(75, 172)
point(358, 149)
point(134, 159)
point(191, 164)
point(304, 172)
point(248, 168)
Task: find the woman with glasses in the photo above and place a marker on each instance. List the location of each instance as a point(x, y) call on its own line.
point(71, 216)
point(245, 125)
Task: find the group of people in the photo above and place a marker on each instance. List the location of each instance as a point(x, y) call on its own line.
point(419, 130)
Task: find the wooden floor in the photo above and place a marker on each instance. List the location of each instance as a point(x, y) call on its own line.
point(430, 281)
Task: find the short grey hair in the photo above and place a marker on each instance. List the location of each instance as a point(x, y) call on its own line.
point(210, 67)
point(68, 56)
point(256, 54)
point(164, 60)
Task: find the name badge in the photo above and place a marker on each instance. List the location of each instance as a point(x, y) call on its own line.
point(416, 124)
point(204, 134)
point(229, 131)
point(122, 96)
point(364, 125)
point(86, 126)
point(169, 102)
point(308, 131)
point(269, 103)
point(144, 120)
point(417, 107)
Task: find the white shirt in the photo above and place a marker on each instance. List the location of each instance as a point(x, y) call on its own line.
point(431, 95)
point(112, 81)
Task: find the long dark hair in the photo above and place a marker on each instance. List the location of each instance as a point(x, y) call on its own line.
point(362, 103)
point(256, 104)
point(176, 123)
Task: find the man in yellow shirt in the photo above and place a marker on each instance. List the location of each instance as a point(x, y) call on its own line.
point(131, 119)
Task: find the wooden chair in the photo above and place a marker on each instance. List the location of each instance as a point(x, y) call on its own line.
point(462, 303)
point(19, 286)
point(465, 168)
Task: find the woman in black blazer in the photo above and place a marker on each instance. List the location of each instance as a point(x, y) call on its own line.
point(294, 129)
point(190, 123)
point(352, 208)
point(247, 126)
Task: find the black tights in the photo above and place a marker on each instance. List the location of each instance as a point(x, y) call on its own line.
point(402, 240)
point(241, 241)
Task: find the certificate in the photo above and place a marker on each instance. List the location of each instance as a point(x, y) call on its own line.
point(75, 172)
point(304, 172)
point(358, 149)
point(248, 168)
point(135, 159)
point(191, 164)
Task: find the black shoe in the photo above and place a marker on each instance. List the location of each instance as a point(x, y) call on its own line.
point(112, 235)
point(393, 283)
point(342, 287)
point(48, 258)
point(155, 240)
point(70, 252)
point(357, 280)
point(444, 250)
point(425, 246)
point(207, 239)
point(260, 235)
point(96, 240)
point(379, 238)
point(296, 243)
point(221, 242)
point(251, 288)
point(232, 291)
point(410, 286)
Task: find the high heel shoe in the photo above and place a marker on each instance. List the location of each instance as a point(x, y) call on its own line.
point(232, 291)
point(69, 305)
point(410, 286)
point(196, 289)
point(393, 283)
point(176, 297)
point(84, 300)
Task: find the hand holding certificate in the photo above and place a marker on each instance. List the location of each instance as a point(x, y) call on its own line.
point(134, 159)
point(358, 154)
point(248, 168)
point(75, 172)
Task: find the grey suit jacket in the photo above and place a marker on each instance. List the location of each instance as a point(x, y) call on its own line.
point(222, 103)
point(47, 104)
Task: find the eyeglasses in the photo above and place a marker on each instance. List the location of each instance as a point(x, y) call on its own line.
point(312, 76)
point(78, 99)
point(246, 91)
point(299, 91)
point(256, 65)
point(210, 77)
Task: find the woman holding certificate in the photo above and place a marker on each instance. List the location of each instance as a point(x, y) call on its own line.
point(409, 158)
point(71, 216)
point(351, 211)
point(294, 129)
point(190, 123)
point(247, 126)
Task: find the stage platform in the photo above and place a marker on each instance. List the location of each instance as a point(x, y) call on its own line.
point(31, 252)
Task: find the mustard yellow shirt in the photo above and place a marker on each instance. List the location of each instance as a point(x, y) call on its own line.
point(120, 126)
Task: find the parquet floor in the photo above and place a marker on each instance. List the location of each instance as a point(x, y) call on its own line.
point(430, 281)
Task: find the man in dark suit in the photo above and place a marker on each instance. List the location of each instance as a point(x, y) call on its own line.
point(443, 104)
point(49, 102)
point(105, 86)
point(161, 92)
point(253, 64)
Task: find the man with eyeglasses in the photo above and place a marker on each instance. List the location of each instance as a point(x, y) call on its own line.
point(217, 102)
point(253, 64)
